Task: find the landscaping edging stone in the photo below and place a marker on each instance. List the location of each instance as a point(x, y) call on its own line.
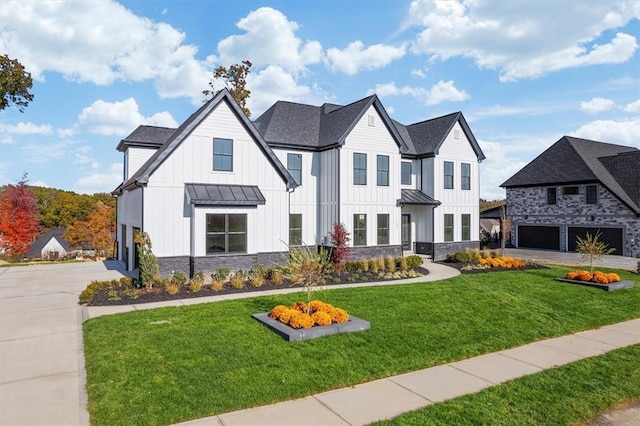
point(606, 287)
point(295, 335)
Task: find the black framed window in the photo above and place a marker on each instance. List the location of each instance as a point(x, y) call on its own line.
point(222, 155)
point(294, 166)
point(383, 170)
point(359, 168)
point(592, 194)
point(466, 227)
point(448, 227)
point(570, 190)
point(383, 229)
point(359, 229)
point(465, 176)
point(295, 229)
point(405, 178)
point(226, 233)
point(448, 175)
point(551, 196)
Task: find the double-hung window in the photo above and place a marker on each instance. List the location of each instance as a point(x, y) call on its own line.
point(222, 155)
point(465, 176)
point(359, 229)
point(294, 166)
point(405, 178)
point(448, 175)
point(359, 168)
point(592, 194)
point(295, 229)
point(383, 229)
point(551, 196)
point(448, 227)
point(226, 233)
point(466, 227)
point(383, 170)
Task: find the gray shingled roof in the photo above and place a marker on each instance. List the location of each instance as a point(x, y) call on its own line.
point(223, 195)
point(141, 176)
point(416, 197)
point(41, 241)
point(146, 137)
point(575, 160)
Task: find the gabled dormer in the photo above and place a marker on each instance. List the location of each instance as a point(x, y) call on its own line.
point(140, 145)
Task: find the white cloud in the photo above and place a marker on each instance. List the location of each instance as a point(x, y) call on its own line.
point(119, 118)
point(273, 84)
point(39, 183)
point(75, 40)
point(269, 39)
point(28, 128)
point(633, 107)
point(355, 57)
point(596, 105)
point(525, 39)
point(102, 181)
point(438, 93)
point(610, 131)
point(39, 153)
point(418, 73)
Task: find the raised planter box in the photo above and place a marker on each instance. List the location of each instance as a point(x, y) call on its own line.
point(293, 335)
point(606, 287)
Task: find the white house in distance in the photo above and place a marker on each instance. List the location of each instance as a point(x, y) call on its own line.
point(223, 191)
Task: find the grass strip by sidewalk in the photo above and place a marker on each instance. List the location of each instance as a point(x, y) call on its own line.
point(168, 365)
point(566, 395)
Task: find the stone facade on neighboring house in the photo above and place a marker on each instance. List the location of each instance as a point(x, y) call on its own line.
point(577, 186)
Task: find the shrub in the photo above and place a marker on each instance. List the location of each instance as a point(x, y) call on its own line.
point(221, 274)
point(403, 264)
point(414, 261)
point(148, 262)
point(259, 270)
point(126, 281)
point(172, 287)
point(88, 293)
point(638, 267)
point(391, 264)
point(373, 266)
point(364, 265)
point(382, 265)
point(340, 241)
point(180, 278)
point(352, 266)
point(321, 318)
point(113, 295)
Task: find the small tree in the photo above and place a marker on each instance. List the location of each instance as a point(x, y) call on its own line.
point(148, 262)
point(234, 79)
point(340, 241)
point(591, 247)
point(308, 267)
point(15, 83)
point(18, 218)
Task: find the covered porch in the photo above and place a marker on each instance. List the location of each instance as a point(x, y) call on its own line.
point(417, 211)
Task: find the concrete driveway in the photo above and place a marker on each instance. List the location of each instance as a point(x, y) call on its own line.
point(550, 256)
point(41, 358)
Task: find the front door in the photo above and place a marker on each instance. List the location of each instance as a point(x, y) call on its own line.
point(406, 232)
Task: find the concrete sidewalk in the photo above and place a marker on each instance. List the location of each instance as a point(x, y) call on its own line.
point(390, 397)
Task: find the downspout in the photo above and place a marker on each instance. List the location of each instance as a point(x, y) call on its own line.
point(117, 241)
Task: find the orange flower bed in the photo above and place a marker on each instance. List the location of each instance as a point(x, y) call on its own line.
point(597, 277)
point(321, 314)
point(502, 262)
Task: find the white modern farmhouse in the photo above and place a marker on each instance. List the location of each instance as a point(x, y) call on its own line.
point(223, 191)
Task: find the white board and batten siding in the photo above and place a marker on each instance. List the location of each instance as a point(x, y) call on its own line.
point(371, 137)
point(303, 200)
point(330, 169)
point(458, 150)
point(167, 216)
point(134, 158)
point(52, 246)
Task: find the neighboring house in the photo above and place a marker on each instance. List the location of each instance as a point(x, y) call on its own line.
point(224, 191)
point(50, 245)
point(574, 187)
point(490, 225)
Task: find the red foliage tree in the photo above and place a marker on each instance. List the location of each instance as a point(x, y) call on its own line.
point(18, 218)
point(340, 241)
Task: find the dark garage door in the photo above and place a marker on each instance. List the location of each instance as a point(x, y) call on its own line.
point(540, 237)
point(611, 236)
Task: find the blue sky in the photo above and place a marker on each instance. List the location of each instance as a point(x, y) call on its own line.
point(524, 73)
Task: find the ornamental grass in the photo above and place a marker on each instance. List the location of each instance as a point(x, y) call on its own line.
point(597, 277)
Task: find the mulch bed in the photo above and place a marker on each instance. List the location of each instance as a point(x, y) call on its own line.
point(101, 298)
point(459, 267)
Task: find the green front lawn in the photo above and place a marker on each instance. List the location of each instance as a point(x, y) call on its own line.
point(167, 365)
point(573, 393)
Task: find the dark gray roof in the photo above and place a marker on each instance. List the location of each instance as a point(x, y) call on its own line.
point(492, 213)
point(146, 137)
point(41, 241)
point(415, 196)
point(223, 195)
point(141, 177)
point(292, 125)
point(575, 160)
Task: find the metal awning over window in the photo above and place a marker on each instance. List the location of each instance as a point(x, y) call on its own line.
point(416, 197)
point(223, 195)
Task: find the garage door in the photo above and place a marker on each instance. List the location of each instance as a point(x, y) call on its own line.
point(611, 236)
point(540, 237)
